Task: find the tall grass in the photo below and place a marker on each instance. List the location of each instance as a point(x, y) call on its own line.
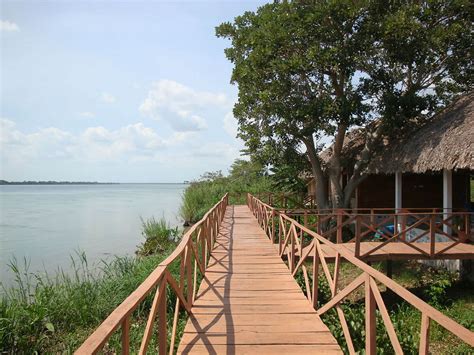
point(159, 236)
point(48, 313)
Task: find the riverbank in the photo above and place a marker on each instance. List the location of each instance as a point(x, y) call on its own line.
point(55, 313)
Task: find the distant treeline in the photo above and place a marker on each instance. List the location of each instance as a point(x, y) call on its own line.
point(5, 182)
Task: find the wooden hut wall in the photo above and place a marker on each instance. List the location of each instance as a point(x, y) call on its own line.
point(419, 190)
point(376, 191)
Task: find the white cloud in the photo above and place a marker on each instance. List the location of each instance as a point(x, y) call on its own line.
point(134, 141)
point(87, 114)
point(107, 98)
point(216, 150)
point(7, 26)
point(180, 105)
point(230, 124)
point(133, 146)
point(46, 142)
point(99, 143)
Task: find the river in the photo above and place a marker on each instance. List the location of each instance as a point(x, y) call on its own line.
point(46, 224)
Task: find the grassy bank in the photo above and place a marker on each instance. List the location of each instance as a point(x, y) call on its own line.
point(55, 313)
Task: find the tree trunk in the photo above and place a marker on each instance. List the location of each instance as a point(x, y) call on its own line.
point(319, 178)
point(350, 188)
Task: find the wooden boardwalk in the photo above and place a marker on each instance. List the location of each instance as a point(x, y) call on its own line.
point(249, 302)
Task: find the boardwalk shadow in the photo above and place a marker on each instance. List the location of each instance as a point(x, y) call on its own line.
point(224, 260)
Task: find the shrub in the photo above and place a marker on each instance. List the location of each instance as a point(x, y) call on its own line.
point(159, 236)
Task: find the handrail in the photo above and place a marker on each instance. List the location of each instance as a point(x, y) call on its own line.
point(281, 201)
point(285, 199)
point(292, 237)
point(372, 211)
point(405, 227)
point(192, 252)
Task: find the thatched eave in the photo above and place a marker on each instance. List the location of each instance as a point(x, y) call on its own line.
point(446, 141)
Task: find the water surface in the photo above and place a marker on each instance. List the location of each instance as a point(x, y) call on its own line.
point(48, 223)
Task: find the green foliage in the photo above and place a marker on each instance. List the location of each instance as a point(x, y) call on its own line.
point(55, 313)
point(405, 321)
point(43, 312)
point(306, 70)
point(199, 197)
point(435, 283)
point(159, 236)
point(456, 301)
point(244, 176)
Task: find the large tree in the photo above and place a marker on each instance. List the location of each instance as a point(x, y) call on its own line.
point(307, 70)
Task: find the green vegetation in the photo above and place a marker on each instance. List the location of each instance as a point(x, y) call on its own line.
point(159, 236)
point(307, 70)
point(244, 176)
point(441, 289)
point(50, 314)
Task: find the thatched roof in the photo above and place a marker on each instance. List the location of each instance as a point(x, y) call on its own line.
point(446, 141)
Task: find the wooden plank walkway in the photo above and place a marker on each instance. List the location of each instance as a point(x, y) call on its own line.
point(248, 302)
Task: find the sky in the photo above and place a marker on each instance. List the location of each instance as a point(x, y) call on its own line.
point(116, 91)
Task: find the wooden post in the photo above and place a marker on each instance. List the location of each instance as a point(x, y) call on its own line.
point(339, 226)
point(189, 280)
point(203, 247)
point(424, 335)
point(335, 278)
point(315, 275)
point(162, 323)
point(370, 320)
point(126, 335)
point(273, 226)
point(280, 231)
point(432, 234)
point(292, 250)
point(404, 226)
point(357, 235)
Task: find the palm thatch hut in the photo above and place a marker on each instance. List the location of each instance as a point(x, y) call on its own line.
point(428, 167)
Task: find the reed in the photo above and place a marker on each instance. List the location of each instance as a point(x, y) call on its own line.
point(46, 313)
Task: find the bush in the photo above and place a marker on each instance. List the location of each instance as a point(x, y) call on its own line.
point(159, 236)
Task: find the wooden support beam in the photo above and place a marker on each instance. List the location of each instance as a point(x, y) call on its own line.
point(424, 335)
point(126, 336)
point(370, 319)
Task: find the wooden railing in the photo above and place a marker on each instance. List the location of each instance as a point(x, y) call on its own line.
point(408, 226)
point(295, 239)
point(288, 200)
point(191, 256)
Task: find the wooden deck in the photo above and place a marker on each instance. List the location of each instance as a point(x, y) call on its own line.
point(401, 251)
point(249, 302)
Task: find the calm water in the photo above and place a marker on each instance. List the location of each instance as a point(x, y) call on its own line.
point(47, 224)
